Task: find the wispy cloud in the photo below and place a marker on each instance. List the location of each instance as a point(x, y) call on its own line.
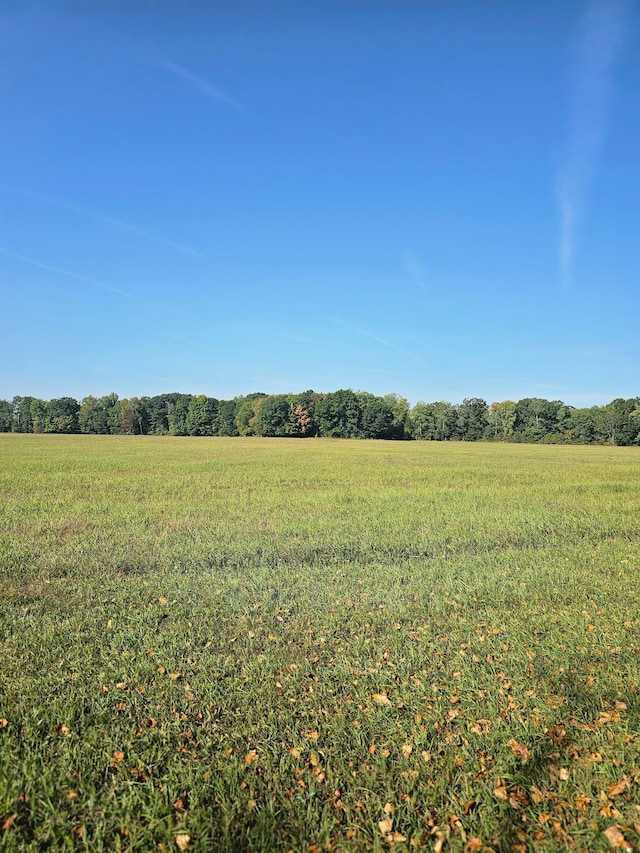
point(88, 280)
point(413, 267)
point(599, 41)
point(203, 86)
point(101, 217)
point(169, 335)
point(338, 322)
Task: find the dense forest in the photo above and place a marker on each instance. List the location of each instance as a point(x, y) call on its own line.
point(339, 414)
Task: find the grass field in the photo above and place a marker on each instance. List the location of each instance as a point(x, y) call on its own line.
point(228, 644)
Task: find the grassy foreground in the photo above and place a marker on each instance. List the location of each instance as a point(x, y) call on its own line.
point(228, 644)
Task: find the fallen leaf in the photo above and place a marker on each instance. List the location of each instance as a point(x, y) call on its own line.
point(536, 794)
point(608, 717)
point(480, 726)
point(163, 599)
point(618, 788)
point(500, 790)
point(294, 752)
point(439, 842)
point(473, 844)
point(407, 749)
point(251, 756)
point(385, 826)
point(312, 736)
point(6, 826)
point(4, 723)
point(395, 838)
point(388, 809)
point(182, 841)
point(381, 698)
point(520, 749)
point(616, 838)
point(563, 774)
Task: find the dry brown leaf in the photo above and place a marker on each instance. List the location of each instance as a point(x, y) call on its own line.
point(3, 722)
point(500, 790)
point(295, 752)
point(473, 844)
point(563, 774)
point(385, 826)
point(536, 794)
point(395, 838)
point(608, 717)
point(617, 839)
point(407, 749)
point(163, 599)
point(312, 736)
point(388, 809)
point(381, 698)
point(619, 787)
point(251, 756)
point(480, 726)
point(439, 842)
point(6, 826)
point(520, 749)
point(183, 841)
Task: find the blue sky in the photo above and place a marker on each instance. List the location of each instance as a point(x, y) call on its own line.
point(438, 199)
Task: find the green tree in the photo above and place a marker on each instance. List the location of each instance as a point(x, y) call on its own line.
point(433, 421)
point(227, 417)
point(274, 416)
point(21, 409)
point(178, 409)
point(6, 416)
point(100, 415)
point(378, 419)
point(247, 413)
point(473, 413)
point(201, 415)
point(400, 407)
point(134, 417)
point(62, 415)
point(501, 420)
point(339, 414)
point(581, 426)
point(39, 415)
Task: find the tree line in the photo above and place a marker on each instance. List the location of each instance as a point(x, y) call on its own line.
point(338, 414)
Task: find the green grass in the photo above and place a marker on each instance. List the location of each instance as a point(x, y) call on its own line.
point(263, 644)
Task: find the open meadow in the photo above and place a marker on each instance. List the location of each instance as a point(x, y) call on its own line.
point(319, 645)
